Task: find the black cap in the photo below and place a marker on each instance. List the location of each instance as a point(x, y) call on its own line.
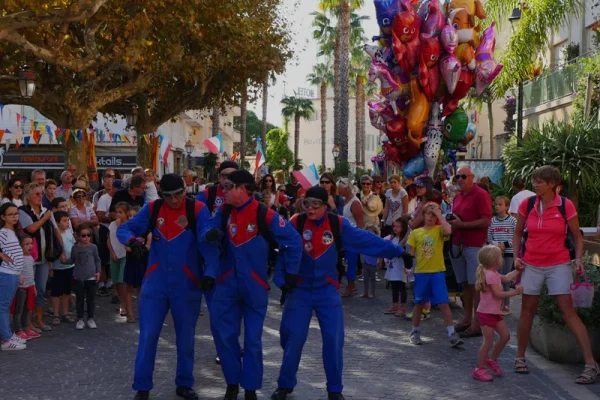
point(170, 183)
point(240, 177)
point(228, 164)
point(317, 192)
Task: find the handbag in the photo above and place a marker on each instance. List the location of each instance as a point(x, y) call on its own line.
point(582, 292)
point(53, 246)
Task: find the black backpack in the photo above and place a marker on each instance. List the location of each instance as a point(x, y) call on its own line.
point(334, 223)
point(190, 212)
point(261, 219)
point(569, 242)
point(212, 196)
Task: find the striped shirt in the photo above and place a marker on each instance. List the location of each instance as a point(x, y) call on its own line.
point(27, 272)
point(10, 246)
point(501, 231)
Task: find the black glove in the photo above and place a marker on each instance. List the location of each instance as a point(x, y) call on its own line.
point(207, 283)
point(408, 260)
point(291, 281)
point(214, 235)
point(137, 249)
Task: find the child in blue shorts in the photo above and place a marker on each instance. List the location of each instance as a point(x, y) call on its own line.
point(427, 245)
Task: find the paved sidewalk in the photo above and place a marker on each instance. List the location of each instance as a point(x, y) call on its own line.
point(379, 362)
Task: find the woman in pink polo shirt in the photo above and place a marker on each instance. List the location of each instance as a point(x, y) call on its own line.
point(547, 259)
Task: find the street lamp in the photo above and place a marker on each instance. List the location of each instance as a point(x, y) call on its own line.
point(132, 116)
point(283, 162)
point(336, 153)
point(514, 19)
point(189, 148)
point(225, 156)
point(26, 82)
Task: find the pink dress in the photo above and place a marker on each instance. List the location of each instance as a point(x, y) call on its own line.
point(488, 312)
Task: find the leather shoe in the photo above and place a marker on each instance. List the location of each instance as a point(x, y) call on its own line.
point(232, 392)
point(142, 395)
point(335, 396)
point(250, 395)
point(186, 393)
point(281, 394)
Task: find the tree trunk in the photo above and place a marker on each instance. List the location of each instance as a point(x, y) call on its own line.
point(265, 102)
point(76, 153)
point(216, 120)
point(344, 30)
point(359, 111)
point(491, 126)
point(243, 112)
point(323, 123)
point(296, 138)
point(336, 92)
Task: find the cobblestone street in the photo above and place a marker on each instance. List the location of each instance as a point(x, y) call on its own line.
point(379, 362)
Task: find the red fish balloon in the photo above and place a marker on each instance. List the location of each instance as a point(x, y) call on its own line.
point(434, 22)
point(429, 72)
point(487, 68)
point(465, 81)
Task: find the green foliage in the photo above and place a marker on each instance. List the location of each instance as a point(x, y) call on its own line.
point(571, 51)
point(210, 162)
point(253, 130)
point(588, 65)
point(549, 312)
point(277, 150)
point(503, 188)
point(360, 172)
point(296, 106)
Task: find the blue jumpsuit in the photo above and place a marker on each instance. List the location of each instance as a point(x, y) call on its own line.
point(172, 282)
point(318, 290)
point(242, 289)
point(219, 199)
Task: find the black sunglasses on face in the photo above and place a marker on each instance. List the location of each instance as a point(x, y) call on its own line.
point(17, 186)
point(366, 183)
point(79, 196)
point(325, 182)
point(462, 176)
point(84, 235)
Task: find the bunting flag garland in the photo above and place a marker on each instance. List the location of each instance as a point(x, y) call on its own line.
point(26, 141)
point(92, 150)
point(18, 120)
point(67, 135)
point(17, 144)
point(2, 111)
point(36, 136)
point(1, 134)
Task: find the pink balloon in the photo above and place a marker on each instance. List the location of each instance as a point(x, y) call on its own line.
point(449, 39)
point(487, 68)
point(434, 22)
point(450, 69)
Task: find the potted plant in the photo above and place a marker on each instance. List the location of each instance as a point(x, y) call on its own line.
point(550, 335)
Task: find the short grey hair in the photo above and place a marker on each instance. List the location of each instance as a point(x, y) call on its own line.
point(137, 170)
point(366, 178)
point(29, 188)
point(37, 172)
point(64, 173)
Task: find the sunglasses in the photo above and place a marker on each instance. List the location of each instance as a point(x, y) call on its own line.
point(325, 182)
point(366, 183)
point(312, 203)
point(228, 186)
point(85, 235)
point(224, 175)
point(378, 182)
point(178, 193)
point(17, 186)
point(79, 196)
point(268, 180)
point(462, 176)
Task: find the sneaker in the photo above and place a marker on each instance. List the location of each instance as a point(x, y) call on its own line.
point(32, 334)
point(425, 315)
point(18, 339)
point(80, 324)
point(455, 340)
point(23, 335)
point(494, 367)
point(377, 278)
point(415, 338)
point(8, 345)
point(102, 292)
point(91, 324)
point(481, 375)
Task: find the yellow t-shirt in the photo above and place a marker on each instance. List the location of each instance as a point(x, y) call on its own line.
point(429, 249)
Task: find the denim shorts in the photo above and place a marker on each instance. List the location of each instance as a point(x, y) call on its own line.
point(430, 287)
point(558, 279)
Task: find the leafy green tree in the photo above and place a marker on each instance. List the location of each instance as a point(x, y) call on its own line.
point(253, 131)
point(278, 150)
point(297, 108)
point(322, 76)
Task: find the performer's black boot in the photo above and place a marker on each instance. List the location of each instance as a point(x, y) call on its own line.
point(186, 392)
point(232, 392)
point(335, 396)
point(142, 395)
point(250, 395)
point(281, 394)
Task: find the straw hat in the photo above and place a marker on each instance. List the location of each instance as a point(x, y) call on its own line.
point(374, 206)
point(82, 183)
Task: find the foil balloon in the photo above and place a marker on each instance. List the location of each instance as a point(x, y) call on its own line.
point(449, 39)
point(487, 68)
point(435, 137)
point(474, 7)
point(450, 70)
point(434, 22)
point(418, 112)
point(385, 11)
point(405, 38)
point(391, 152)
point(396, 131)
point(469, 134)
point(455, 125)
point(381, 112)
point(465, 81)
point(414, 167)
point(429, 71)
point(468, 38)
point(390, 88)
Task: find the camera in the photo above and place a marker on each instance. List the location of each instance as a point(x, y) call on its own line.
point(450, 217)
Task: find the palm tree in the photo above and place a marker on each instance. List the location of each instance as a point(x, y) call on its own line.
point(216, 119)
point(243, 117)
point(297, 108)
point(322, 76)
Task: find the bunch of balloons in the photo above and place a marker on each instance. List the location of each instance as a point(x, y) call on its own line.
point(427, 60)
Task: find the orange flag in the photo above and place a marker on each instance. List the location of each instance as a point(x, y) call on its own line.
point(67, 135)
point(1, 135)
point(155, 144)
point(92, 149)
point(36, 137)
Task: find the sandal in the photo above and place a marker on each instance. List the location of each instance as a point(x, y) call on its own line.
point(505, 311)
point(470, 333)
point(400, 313)
point(55, 321)
point(586, 378)
point(67, 319)
point(520, 366)
point(131, 319)
point(391, 310)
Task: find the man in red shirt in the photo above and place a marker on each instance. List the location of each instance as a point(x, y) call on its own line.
point(472, 209)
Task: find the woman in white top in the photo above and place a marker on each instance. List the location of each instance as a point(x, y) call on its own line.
point(81, 212)
point(151, 191)
point(353, 211)
point(396, 204)
point(12, 192)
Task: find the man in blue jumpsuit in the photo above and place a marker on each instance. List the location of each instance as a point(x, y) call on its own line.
point(214, 196)
point(317, 290)
point(241, 281)
point(172, 281)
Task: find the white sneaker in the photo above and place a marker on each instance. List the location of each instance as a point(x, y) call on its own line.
point(80, 324)
point(12, 345)
point(17, 339)
point(91, 324)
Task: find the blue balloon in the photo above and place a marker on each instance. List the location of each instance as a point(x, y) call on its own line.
point(414, 167)
point(386, 10)
point(469, 135)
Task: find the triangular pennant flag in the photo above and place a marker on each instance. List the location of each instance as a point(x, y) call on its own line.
point(26, 140)
point(18, 120)
point(67, 135)
point(2, 111)
point(32, 125)
point(36, 136)
point(80, 134)
point(1, 134)
point(7, 131)
point(17, 144)
point(126, 139)
point(35, 125)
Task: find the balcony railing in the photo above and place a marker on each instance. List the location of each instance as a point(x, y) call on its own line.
point(555, 83)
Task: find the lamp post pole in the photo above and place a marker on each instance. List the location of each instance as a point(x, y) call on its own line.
point(335, 152)
point(514, 19)
point(189, 148)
